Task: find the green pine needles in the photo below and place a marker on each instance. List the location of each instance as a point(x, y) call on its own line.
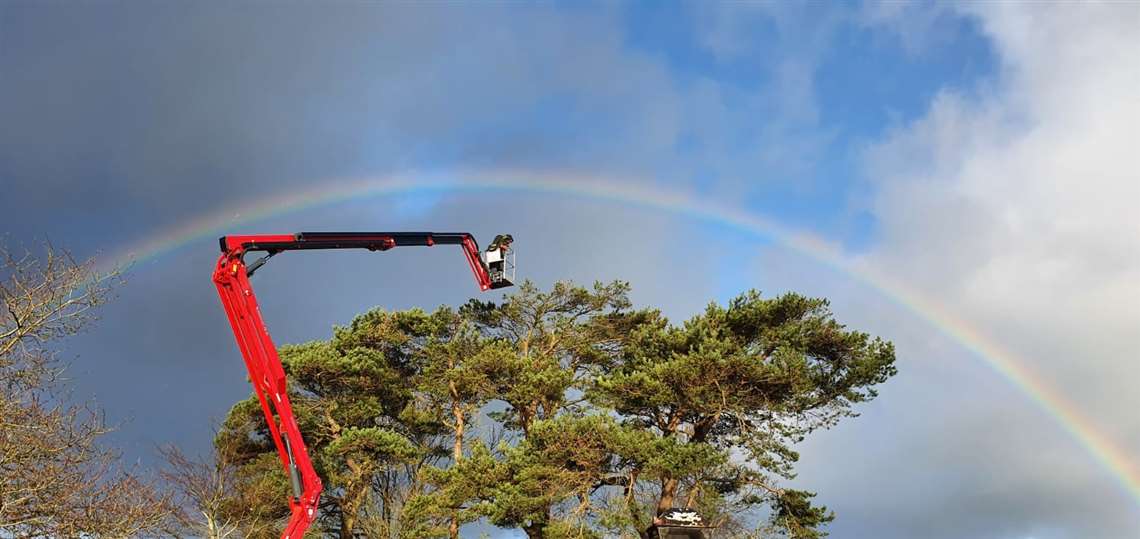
point(567, 413)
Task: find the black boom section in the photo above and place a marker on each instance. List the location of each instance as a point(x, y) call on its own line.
point(374, 241)
point(343, 240)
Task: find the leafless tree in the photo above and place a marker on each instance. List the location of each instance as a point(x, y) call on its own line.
point(217, 499)
point(56, 479)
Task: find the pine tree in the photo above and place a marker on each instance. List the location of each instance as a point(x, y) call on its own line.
point(600, 416)
point(749, 381)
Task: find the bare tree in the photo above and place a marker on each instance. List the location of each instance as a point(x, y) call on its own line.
point(56, 480)
point(206, 488)
point(217, 499)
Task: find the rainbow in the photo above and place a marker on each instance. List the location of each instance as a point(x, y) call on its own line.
point(997, 358)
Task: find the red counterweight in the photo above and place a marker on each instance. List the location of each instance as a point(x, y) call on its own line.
point(260, 354)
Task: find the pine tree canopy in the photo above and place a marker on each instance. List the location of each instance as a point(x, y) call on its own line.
point(568, 413)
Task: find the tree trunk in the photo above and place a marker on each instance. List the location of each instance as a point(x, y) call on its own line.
point(668, 493)
point(349, 507)
point(665, 502)
point(460, 424)
point(456, 455)
point(632, 507)
point(211, 528)
point(347, 523)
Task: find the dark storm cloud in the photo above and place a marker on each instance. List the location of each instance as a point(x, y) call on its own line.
point(121, 120)
point(157, 111)
point(125, 116)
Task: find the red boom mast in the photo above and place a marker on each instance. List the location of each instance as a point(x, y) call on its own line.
point(260, 354)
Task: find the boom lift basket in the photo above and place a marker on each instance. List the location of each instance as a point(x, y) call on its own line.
point(500, 261)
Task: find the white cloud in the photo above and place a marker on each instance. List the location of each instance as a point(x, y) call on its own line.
point(1018, 208)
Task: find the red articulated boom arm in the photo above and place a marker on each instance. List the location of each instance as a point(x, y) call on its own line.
point(265, 371)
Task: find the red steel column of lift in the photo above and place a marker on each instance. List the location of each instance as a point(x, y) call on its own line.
point(268, 379)
point(231, 275)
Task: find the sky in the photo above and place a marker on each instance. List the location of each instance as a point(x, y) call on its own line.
point(947, 174)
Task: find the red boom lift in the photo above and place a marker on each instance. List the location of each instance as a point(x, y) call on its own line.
point(493, 269)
